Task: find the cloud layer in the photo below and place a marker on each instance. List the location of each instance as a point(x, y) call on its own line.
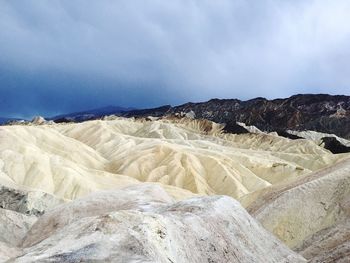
point(61, 56)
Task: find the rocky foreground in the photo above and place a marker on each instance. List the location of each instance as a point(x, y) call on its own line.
point(169, 190)
point(144, 224)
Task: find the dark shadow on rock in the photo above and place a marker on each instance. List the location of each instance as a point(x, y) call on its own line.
point(288, 135)
point(333, 145)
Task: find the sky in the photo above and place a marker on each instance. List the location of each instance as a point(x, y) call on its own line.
point(66, 56)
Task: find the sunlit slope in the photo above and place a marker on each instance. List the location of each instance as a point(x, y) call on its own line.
point(310, 215)
point(72, 160)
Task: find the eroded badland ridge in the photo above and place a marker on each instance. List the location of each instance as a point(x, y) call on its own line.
point(173, 188)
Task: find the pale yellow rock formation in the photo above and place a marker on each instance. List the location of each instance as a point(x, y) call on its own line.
point(284, 183)
point(312, 214)
point(189, 156)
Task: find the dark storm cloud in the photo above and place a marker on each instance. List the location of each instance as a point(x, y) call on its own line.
point(68, 55)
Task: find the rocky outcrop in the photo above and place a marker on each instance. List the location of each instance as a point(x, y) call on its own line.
point(26, 202)
point(330, 142)
point(233, 127)
point(38, 120)
point(19, 210)
point(331, 245)
point(288, 135)
point(335, 146)
point(14, 226)
point(143, 224)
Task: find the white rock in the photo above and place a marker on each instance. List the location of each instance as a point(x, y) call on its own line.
point(38, 120)
point(190, 114)
point(27, 202)
point(151, 118)
point(310, 215)
point(7, 252)
point(14, 226)
point(251, 128)
point(141, 224)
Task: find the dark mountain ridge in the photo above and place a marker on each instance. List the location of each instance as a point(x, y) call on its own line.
point(318, 112)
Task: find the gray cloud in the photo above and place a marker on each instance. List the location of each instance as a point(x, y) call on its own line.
point(69, 55)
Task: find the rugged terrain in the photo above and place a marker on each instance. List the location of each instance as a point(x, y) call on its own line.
point(144, 224)
point(316, 112)
point(311, 214)
point(321, 113)
point(165, 191)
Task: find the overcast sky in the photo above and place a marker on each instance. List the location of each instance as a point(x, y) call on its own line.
point(63, 56)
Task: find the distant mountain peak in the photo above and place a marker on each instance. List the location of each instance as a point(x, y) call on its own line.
point(90, 114)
